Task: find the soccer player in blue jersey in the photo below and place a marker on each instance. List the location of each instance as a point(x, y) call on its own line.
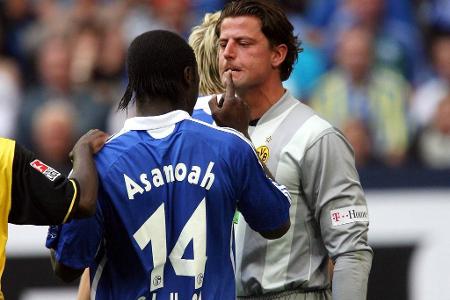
point(169, 187)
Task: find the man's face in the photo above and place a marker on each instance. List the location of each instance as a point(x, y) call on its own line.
point(245, 50)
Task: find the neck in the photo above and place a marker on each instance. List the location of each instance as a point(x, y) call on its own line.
point(155, 107)
point(262, 98)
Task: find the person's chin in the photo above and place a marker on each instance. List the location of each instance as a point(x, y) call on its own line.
point(238, 84)
point(236, 75)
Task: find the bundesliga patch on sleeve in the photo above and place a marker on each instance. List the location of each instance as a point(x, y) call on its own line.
point(48, 171)
point(349, 214)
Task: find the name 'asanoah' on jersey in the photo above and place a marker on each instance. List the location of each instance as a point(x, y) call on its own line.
point(169, 187)
point(169, 174)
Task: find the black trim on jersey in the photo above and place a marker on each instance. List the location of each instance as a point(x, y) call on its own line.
point(35, 199)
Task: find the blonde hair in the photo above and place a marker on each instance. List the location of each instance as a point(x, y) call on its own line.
point(204, 41)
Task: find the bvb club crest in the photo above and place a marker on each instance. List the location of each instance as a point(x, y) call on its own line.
point(263, 153)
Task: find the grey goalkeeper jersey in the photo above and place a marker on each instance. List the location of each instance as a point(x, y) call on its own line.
point(328, 213)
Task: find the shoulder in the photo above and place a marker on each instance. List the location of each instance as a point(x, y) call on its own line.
point(8, 153)
point(223, 141)
point(299, 128)
point(201, 109)
point(312, 130)
point(6, 144)
point(202, 103)
point(311, 125)
point(116, 146)
point(222, 135)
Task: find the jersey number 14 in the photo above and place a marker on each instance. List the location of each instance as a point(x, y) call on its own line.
point(154, 230)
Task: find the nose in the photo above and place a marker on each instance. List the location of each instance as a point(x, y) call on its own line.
point(229, 51)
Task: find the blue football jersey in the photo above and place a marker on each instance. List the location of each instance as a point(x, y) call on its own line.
point(202, 111)
point(169, 187)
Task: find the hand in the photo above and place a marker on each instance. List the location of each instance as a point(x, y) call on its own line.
point(93, 140)
point(230, 111)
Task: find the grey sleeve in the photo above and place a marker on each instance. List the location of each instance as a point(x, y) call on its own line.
point(351, 274)
point(331, 185)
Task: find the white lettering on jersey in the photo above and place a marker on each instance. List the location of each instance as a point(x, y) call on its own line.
point(349, 214)
point(132, 187)
point(169, 174)
point(208, 179)
point(194, 175)
point(157, 177)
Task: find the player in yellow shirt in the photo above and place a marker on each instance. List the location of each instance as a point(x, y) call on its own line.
point(34, 193)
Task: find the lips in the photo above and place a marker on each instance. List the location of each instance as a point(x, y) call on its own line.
point(233, 69)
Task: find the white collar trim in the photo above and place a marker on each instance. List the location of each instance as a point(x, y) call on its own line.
point(155, 122)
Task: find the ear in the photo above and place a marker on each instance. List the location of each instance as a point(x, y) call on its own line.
point(279, 53)
point(189, 76)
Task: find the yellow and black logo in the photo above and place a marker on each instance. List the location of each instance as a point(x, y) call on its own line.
point(263, 153)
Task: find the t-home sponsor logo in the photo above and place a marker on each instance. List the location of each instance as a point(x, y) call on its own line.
point(349, 214)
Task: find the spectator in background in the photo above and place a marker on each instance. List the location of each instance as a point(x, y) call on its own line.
point(54, 70)
point(434, 12)
point(143, 15)
point(358, 89)
point(428, 95)
point(201, 7)
point(176, 14)
point(110, 65)
point(98, 65)
point(16, 18)
point(109, 77)
point(139, 17)
point(312, 63)
point(85, 42)
point(434, 141)
point(360, 138)
point(9, 96)
point(397, 45)
point(54, 134)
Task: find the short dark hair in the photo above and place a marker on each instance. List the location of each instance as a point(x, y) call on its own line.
point(274, 25)
point(155, 65)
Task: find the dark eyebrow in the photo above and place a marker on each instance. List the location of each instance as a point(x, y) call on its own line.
point(239, 38)
point(246, 38)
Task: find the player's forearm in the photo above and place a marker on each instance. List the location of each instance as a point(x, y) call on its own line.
point(85, 173)
point(351, 275)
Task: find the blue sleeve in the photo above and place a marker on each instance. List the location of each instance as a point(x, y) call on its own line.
point(77, 242)
point(263, 203)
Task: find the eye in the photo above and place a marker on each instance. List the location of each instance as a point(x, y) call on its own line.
point(222, 44)
point(244, 43)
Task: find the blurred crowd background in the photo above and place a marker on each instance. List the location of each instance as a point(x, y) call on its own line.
point(379, 70)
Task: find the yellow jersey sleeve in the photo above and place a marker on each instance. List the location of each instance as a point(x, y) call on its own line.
point(6, 162)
